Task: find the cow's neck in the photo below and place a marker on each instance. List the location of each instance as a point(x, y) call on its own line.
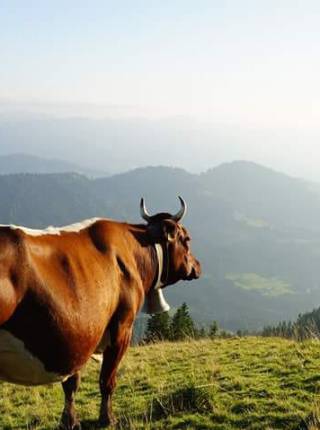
point(150, 266)
point(154, 298)
point(150, 260)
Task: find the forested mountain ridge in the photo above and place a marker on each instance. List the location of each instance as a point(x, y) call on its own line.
point(256, 231)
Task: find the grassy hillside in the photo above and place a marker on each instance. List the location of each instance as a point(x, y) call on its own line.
point(246, 383)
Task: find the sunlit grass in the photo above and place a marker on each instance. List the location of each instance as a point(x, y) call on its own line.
point(239, 383)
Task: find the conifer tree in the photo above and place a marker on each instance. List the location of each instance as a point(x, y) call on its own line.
point(213, 329)
point(182, 324)
point(158, 327)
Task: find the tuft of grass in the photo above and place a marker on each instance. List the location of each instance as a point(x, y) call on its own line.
point(221, 384)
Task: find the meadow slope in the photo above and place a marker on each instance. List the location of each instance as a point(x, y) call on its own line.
point(238, 383)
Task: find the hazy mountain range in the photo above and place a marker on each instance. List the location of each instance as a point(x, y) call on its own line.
point(256, 231)
point(117, 144)
point(26, 163)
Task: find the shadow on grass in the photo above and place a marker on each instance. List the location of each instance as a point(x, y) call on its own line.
point(200, 401)
point(312, 422)
point(187, 399)
point(92, 425)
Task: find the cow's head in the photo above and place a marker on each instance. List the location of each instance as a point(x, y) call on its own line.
point(165, 229)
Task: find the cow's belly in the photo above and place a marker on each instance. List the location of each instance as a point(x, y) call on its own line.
point(19, 366)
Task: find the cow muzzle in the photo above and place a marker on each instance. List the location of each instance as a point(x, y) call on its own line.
point(195, 271)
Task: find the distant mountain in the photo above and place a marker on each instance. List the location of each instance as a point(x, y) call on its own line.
point(116, 140)
point(256, 231)
point(100, 142)
point(25, 163)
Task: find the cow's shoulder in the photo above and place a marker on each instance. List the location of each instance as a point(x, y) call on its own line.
point(12, 248)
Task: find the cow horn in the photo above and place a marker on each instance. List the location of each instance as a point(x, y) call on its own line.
point(143, 210)
point(179, 215)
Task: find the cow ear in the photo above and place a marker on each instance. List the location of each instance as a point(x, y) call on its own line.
point(166, 231)
point(155, 233)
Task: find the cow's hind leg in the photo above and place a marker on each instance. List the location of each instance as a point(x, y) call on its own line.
point(120, 338)
point(69, 419)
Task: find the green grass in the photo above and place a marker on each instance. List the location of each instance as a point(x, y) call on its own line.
point(239, 383)
point(272, 287)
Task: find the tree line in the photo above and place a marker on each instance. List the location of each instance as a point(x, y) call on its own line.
point(180, 326)
point(307, 326)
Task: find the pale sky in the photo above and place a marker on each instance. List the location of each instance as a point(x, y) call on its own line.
point(249, 64)
point(253, 62)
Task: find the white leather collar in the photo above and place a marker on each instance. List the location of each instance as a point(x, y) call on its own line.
point(154, 301)
point(159, 253)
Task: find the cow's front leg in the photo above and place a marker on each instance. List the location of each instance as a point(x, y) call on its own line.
point(69, 419)
point(112, 356)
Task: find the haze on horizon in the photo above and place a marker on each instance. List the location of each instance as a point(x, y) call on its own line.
point(216, 80)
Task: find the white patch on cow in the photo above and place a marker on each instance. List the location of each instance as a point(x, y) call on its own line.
point(104, 342)
point(98, 358)
point(54, 230)
point(19, 366)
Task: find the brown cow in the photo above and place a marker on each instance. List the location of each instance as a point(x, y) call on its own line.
point(70, 292)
